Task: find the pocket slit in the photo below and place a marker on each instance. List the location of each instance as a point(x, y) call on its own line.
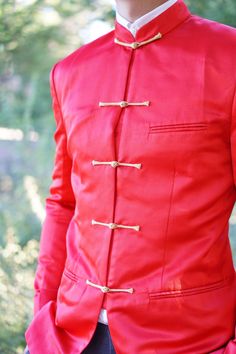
point(181, 127)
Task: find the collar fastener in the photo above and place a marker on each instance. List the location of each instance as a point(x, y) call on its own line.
point(136, 45)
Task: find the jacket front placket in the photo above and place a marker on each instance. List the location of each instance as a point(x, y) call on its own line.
point(123, 104)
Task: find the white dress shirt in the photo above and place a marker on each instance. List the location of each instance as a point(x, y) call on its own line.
point(133, 27)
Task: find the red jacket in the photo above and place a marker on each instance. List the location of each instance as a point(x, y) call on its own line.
point(143, 188)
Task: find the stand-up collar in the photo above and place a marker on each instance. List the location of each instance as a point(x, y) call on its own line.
point(162, 24)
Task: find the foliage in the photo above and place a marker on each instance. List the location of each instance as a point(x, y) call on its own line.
point(34, 34)
point(218, 10)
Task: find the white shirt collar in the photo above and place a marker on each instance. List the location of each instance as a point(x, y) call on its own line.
point(133, 27)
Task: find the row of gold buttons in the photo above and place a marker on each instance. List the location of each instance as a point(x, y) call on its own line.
point(115, 164)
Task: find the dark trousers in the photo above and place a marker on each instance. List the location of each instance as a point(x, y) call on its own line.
point(100, 343)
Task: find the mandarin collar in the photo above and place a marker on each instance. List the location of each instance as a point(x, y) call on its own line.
point(163, 24)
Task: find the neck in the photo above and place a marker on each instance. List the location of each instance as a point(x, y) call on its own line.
point(131, 10)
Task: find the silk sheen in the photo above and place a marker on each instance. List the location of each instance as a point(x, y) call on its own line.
point(133, 28)
point(179, 262)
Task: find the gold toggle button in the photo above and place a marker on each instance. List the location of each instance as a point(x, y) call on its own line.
point(135, 45)
point(124, 104)
point(112, 225)
point(114, 164)
point(105, 289)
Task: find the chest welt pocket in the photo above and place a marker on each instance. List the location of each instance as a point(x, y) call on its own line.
point(176, 127)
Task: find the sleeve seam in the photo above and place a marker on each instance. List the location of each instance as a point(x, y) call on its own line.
point(233, 103)
point(65, 152)
point(56, 96)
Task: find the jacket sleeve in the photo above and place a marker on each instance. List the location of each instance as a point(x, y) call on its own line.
point(59, 206)
point(231, 346)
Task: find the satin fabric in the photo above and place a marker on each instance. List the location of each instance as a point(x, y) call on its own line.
point(180, 262)
point(101, 342)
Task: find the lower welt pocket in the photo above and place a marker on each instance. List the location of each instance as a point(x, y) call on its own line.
point(178, 127)
point(71, 276)
point(189, 291)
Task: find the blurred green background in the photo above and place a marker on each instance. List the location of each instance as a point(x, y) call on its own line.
point(33, 36)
